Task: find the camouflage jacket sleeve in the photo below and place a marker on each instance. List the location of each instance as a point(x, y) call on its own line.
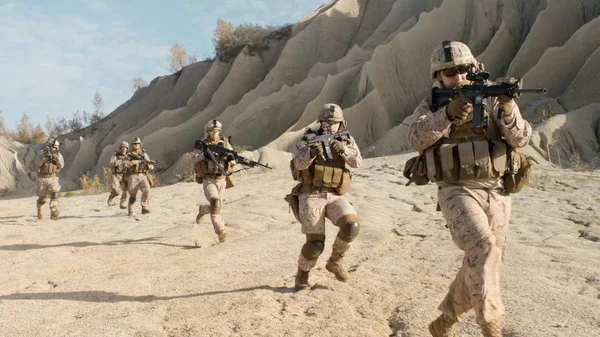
point(198, 155)
point(115, 162)
point(428, 127)
point(518, 132)
point(147, 158)
point(302, 159)
point(61, 162)
point(352, 154)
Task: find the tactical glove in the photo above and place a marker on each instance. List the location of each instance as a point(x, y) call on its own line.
point(316, 150)
point(230, 157)
point(337, 146)
point(459, 108)
point(505, 103)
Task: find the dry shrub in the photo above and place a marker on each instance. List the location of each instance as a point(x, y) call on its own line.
point(230, 41)
point(107, 173)
point(578, 165)
point(188, 175)
point(91, 186)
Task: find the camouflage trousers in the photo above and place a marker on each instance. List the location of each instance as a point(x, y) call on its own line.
point(119, 186)
point(478, 221)
point(314, 208)
point(44, 186)
point(213, 192)
point(139, 182)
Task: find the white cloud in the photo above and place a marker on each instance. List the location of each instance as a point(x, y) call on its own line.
point(96, 5)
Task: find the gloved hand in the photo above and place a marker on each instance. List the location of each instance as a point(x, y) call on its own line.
point(230, 157)
point(55, 157)
point(316, 150)
point(505, 103)
point(459, 108)
point(337, 146)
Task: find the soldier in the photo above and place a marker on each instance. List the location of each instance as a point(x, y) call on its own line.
point(211, 177)
point(119, 182)
point(138, 163)
point(324, 183)
point(471, 191)
point(49, 162)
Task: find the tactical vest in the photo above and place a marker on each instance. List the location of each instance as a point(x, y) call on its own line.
point(142, 167)
point(118, 169)
point(465, 154)
point(48, 168)
point(207, 168)
point(324, 176)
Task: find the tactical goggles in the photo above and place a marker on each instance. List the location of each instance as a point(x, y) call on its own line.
point(461, 69)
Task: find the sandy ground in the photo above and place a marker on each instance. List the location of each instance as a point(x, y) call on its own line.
point(97, 272)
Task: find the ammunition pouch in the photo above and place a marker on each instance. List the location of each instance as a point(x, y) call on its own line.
point(415, 171)
point(293, 201)
point(519, 170)
point(454, 162)
point(323, 177)
point(48, 169)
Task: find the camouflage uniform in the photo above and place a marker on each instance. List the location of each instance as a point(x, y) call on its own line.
point(119, 181)
point(213, 181)
point(48, 162)
point(318, 201)
point(138, 178)
point(477, 211)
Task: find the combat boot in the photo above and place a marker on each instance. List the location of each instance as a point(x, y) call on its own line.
point(442, 327)
point(54, 213)
point(111, 198)
point(200, 216)
point(123, 204)
point(222, 235)
point(145, 210)
point(492, 329)
point(334, 265)
point(302, 280)
point(39, 210)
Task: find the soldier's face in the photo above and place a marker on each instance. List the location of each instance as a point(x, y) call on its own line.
point(123, 149)
point(460, 74)
point(213, 134)
point(334, 127)
point(136, 146)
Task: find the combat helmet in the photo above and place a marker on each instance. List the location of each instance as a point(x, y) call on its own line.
point(213, 125)
point(450, 54)
point(125, 144)
point(136, 140)
point(332, 113)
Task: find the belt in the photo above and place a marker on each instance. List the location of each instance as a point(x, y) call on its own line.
point(318, 189)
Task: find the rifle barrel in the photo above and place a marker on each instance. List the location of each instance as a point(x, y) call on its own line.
point(537, 91)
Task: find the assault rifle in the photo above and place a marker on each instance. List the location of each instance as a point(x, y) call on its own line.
point(140, 158)
point(476, 92)
point(311, 137)
point(214, 151)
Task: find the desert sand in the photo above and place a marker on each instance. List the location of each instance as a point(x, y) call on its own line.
point(97, 272)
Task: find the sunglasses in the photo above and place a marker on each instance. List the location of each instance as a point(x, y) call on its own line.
point(451, 72)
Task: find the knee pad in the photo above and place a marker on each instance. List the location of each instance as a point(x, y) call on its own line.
point(131, 200)
point(215, 206)
point(54, 195)
point(349, 227)
point(349, 231)
point(312, 249)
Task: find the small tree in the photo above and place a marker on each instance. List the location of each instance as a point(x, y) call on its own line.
point(38, 135)
point(98, 113)
point(24, 130)
point(137, 83)
point(75, 124)
point(177, 57)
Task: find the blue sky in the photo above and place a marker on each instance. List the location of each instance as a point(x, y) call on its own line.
point(54, 55)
